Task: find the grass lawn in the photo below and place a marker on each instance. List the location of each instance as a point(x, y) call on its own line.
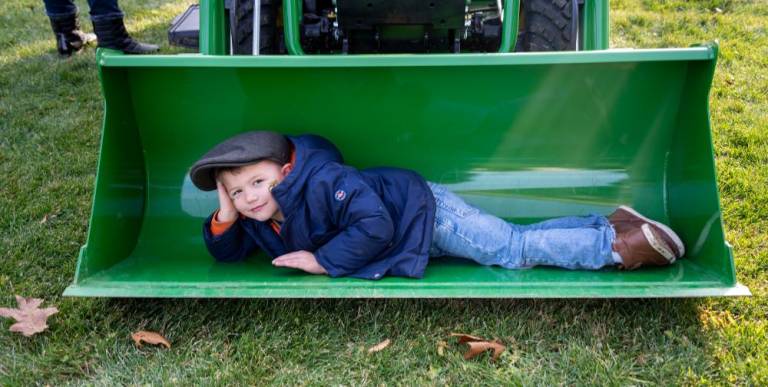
point(50, 122)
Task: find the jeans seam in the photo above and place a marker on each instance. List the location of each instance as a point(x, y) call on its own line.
point(454, 210)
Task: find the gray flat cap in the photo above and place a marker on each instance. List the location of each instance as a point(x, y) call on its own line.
point(243, 149)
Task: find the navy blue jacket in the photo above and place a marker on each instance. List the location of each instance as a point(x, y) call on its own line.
point(365, 224)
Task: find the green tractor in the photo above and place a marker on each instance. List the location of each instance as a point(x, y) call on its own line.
point(437, 86)
point(405, 26)
point(399, 26)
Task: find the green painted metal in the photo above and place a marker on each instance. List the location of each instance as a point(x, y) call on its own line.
point(398, 60)
point(291, 23)
point(595, 24)
point(213, 28)
point(526, 137)
point(510, 25)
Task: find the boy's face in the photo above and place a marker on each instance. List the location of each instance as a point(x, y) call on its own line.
point(249, 188)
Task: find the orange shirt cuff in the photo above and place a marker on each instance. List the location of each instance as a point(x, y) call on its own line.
point(218, 228)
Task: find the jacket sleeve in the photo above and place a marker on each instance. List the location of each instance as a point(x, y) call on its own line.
point(231, 246)
point(365, 225)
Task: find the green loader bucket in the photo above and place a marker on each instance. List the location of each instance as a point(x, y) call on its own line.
point(524, 136)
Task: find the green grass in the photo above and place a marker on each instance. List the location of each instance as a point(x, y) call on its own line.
point(50, 116)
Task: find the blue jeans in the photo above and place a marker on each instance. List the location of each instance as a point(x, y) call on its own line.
point(100, 9)
point(574, 242)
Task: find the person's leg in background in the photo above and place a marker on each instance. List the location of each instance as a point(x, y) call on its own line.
point(63, 16)
point(109, 27)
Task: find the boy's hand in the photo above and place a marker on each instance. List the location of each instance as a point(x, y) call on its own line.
point(303, 260)
point(227, 212)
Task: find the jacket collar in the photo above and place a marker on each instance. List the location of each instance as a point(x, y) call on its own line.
point(312, 153)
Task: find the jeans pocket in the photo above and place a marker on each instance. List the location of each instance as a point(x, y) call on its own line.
point(448, 201)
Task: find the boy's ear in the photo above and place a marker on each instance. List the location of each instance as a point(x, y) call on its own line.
point(286, 169)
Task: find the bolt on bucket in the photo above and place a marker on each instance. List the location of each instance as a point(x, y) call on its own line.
point(523, 136)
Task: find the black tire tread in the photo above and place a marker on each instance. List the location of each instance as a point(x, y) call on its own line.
point(242, 30)
point(547, 25)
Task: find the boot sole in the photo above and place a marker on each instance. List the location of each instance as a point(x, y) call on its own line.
point(658, 244)
point(668, 231)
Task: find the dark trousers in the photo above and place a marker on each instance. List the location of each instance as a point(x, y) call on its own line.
point(100, 9)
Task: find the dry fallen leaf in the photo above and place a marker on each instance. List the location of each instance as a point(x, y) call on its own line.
point(149, 338)
point(478, 345)
point(464, 338)
point(30, 319)
point(378, 347)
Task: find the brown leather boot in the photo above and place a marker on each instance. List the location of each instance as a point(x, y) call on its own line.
point(625, 219)
point(643, 246)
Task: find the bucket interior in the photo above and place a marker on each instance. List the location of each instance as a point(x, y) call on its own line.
point(525, 139)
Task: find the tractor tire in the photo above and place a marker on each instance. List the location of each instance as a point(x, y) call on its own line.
point(242, 27)
point(547, 25)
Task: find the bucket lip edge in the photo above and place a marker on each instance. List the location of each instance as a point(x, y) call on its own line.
point(175, 291)
point(697, 53)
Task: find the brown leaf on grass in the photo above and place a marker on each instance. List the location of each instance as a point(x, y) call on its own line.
point(478, 345)
point(378, 347)
point(30, 318)
point(149, 338)
point(465, 338)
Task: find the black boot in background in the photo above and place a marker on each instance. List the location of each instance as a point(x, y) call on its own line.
point(69, 38)
point(112, 34)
